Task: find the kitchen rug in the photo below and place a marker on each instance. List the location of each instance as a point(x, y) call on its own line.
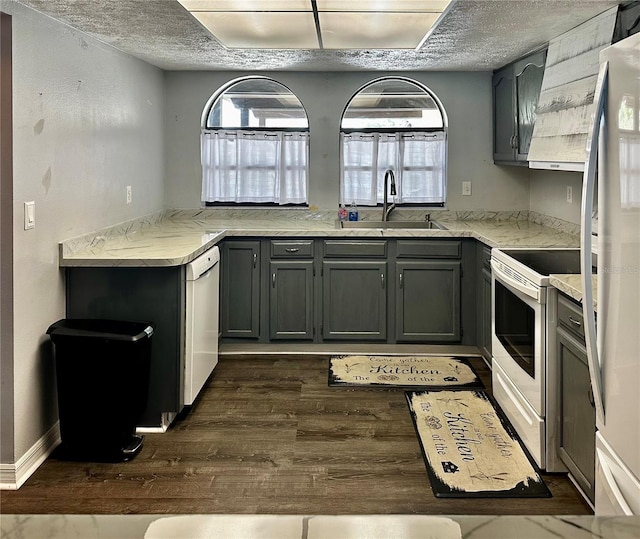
point(469, 450)
point(430, 372)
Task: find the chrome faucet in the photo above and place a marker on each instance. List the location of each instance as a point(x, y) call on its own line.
point(386, 209)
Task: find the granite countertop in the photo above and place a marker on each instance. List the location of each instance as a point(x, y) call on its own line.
point(571, 285)
point(318, 527)
point(175, 237)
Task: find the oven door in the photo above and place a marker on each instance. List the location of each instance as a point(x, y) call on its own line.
point(519, 336)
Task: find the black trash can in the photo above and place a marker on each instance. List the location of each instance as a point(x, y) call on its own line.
point(102, 369)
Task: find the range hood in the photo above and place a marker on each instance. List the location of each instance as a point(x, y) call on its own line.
point(565, 107)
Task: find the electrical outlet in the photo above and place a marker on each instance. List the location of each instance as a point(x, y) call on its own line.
point(129, 194)
point(569, 194)
point(466, 188)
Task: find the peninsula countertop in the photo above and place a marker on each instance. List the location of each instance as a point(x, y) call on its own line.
point(174, 238)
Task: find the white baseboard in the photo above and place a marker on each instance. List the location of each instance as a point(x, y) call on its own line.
point(165, 422)
point(13, 476)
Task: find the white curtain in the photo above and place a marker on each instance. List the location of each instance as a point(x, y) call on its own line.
point(418, 160)
point(254, 166)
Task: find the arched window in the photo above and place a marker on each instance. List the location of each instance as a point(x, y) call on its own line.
point(399, 124)
point(254, 145)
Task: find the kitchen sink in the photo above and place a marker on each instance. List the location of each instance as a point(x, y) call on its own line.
point(428, 225)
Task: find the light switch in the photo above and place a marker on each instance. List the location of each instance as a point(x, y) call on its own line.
point(466, 188)
point(29, 215)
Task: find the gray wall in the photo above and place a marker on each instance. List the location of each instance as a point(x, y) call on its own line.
point(465, 96)
point(87, 123)
point(549, 193)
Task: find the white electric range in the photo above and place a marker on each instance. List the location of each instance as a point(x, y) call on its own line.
point(523, 380)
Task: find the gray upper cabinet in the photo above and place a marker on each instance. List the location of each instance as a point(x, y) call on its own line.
point(503, 116)
point(516, 89)
point(627, 21)
point(240, 289)
point(291, 290)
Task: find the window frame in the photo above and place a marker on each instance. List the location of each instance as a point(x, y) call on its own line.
point(204, 120)
point(399, 131)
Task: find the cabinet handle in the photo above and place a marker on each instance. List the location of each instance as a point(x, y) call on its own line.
point(401, 280)
point(511, 141)
point(255, 259)
point(575, 322)
point(382, 280)
point(292, 249)
point(273, 280)
point(592, 401)
point(515, 141)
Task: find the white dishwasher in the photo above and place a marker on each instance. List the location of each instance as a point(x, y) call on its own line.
point(201, 322)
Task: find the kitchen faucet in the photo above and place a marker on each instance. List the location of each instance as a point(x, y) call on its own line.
point(386, 209)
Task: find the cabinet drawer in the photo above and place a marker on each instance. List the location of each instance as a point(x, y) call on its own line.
point(355, 249)
point(570, 316)
point(292, 249)
point(429, 249)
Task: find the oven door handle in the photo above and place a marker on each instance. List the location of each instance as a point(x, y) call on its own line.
point(530, 291)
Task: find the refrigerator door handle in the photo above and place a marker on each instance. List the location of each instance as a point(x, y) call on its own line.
point(588, 194)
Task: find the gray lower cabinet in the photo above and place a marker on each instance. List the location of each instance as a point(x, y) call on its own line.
point(483, 302)
point(354, 290)
point(291, 299)
point(577, 413)
point(154, 295)
point(368, 290)
point(354, 302)
point(428, 290)
point(240, 289)
point(427, 301)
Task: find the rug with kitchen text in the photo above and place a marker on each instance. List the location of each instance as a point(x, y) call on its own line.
point(403, 371)
point(469, 449)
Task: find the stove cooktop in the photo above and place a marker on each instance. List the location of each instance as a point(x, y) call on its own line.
point(547, 261)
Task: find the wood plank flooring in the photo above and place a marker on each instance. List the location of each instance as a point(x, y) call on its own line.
point(268, 435)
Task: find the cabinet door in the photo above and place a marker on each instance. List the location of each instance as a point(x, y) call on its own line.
point(428, 301)
point(627, 22)
point(486, 315)
point(528, 81)
point(578, 419)
point(291, 300)
point(503, 115)
point(354, 300)
point(240, 289)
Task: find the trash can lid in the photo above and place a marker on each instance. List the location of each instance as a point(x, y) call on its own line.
point(116, 330)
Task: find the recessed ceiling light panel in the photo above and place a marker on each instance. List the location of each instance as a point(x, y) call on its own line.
point(246, 5)
point(348, 30)
point(247, 30)
point(414, 6)
point(313, 24)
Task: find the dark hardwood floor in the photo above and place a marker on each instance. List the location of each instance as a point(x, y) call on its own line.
point(269, 436)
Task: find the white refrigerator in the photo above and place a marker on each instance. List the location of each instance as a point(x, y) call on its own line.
point(613, 332)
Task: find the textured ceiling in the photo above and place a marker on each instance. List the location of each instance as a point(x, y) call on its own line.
point(476, 35)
